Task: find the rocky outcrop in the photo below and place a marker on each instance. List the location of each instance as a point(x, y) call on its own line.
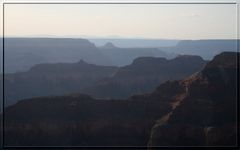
point(204, 114)
point(109, 45)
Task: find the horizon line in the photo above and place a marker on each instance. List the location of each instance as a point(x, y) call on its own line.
point(129, 38)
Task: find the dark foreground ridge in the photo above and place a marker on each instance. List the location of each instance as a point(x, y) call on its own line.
point(197, 111)
point(205, 112)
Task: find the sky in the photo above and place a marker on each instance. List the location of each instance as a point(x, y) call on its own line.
point(155, 21)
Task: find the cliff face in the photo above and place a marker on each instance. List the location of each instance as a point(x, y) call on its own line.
point(205, 112)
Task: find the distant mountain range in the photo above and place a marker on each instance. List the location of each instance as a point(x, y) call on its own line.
point(207, 49)
point(28, 52)
point(199, 110)
point(132, 43)
point(143, 75)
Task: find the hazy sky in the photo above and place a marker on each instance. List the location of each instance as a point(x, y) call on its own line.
point(171, 21)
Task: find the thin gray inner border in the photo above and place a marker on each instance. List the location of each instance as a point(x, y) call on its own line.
point(146, 3)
